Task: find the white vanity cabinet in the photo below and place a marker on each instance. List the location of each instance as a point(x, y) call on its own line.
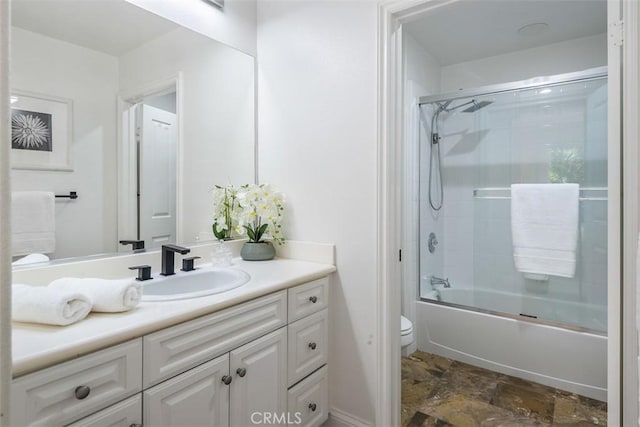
point(226, 391)
point(258, 362)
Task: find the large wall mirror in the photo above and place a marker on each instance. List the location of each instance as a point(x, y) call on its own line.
point(137, 115)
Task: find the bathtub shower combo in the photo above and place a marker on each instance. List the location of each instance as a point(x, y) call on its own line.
point(513, 229)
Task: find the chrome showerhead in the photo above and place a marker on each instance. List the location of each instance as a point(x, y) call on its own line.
point(475, 106)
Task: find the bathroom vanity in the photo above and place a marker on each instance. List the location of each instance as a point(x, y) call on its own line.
point(253, 355)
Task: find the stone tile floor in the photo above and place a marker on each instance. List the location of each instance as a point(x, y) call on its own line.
point(440, 392)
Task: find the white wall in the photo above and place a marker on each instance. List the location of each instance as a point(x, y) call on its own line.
point(234, 25)
point(317, 125)
point(218, 107)
point(557, 58)
point(90, 79)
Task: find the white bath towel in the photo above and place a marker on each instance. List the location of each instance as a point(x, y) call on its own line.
point(544, 228)
point(108, 296)
point(33, 226)
point(39, 304)
point(31, 259)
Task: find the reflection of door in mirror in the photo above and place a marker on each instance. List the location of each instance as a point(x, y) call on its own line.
point(150, 138)
point(156, 175)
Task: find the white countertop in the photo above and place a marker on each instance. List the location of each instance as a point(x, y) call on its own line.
point(39, 346)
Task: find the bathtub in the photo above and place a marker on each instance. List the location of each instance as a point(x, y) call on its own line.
point(569, 359)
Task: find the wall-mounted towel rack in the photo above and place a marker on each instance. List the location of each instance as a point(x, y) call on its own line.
point(72, 195)
point(498, 193)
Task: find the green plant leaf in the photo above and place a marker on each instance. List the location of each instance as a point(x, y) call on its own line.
point(250, 233)
point(261, 231)
point(218, 233)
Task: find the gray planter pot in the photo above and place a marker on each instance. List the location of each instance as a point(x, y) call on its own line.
point(257, 251)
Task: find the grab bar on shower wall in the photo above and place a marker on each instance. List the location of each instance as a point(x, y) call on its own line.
point(497, 193)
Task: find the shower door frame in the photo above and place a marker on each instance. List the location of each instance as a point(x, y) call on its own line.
point(623, 43)
point(537, 82)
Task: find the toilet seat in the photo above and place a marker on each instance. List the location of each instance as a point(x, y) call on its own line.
point(406, 332)
point(406, 327)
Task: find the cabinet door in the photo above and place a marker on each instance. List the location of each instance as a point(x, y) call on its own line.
point(198, 397)
point(127, 413)
point(259, 388)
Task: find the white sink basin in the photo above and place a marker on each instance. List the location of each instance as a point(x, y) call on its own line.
point(192, 284)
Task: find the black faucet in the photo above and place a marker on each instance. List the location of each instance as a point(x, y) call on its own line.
point(168, 251)
point(136, 244)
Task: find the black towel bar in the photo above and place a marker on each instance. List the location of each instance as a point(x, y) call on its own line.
point(71, 195)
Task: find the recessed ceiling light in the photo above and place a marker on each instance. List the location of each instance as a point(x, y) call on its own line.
point(533, 29)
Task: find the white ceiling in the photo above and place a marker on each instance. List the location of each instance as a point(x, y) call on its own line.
point(474, 29)
point(110, 26)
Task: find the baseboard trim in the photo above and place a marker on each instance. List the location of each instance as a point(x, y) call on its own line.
point(339, 418)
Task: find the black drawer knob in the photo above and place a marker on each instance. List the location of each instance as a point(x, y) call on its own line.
point(313, 299)
point(312, 345)
point(313, 407)
point(82, 391)
point(226, 379)
point(241, 372)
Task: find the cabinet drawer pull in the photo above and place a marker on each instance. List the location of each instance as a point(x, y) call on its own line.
point(313, 299)
point(312, 345)
point(241, 372)
point(312, 406)
point(82, 391)
point(226, 379)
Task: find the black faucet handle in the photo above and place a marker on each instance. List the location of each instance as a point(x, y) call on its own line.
point(175, 248)
point(188, 263)
point(136, 244)
point(144, 272)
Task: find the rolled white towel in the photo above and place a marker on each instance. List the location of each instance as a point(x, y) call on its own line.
point(31, 259)
point(40, 304)
point(107, 296)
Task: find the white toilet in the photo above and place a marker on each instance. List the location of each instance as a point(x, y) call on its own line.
point(406, 332)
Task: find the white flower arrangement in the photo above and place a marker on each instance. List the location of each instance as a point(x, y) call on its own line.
point(226, 211)
point(260, 213)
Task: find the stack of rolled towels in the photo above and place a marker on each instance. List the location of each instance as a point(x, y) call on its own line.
point(69, 300)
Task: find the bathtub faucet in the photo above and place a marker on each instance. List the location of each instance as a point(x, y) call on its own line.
point(439, 281)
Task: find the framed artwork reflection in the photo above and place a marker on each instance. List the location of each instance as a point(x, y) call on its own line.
point(41, 131)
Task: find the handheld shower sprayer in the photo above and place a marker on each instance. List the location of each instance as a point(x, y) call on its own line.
point(435, 159)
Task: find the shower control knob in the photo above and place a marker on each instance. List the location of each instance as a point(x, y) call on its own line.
point(432, 242)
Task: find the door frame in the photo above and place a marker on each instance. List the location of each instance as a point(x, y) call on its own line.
point(622, 340)
point(127, 170)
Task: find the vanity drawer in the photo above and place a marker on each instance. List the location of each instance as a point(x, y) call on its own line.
point(307, 346)
point(308, 401)
point(308, 298)
point(54, 396)
point(124, 414)
point(179, 348)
